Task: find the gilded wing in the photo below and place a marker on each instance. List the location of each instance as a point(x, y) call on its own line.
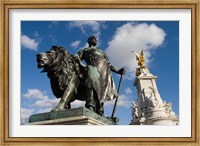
point(141, 57)
point(137, 55)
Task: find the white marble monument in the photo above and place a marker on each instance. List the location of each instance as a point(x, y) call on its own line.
point(149, 109)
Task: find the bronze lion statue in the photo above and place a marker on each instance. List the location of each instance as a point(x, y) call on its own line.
point(68, 78)
point(65, 75)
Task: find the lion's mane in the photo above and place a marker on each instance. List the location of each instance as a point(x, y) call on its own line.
point(61, 69)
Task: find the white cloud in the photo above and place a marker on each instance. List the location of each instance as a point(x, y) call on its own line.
point(84, 25)
point(128, 91)
point(41, 99)
point(78, 103)
point(44, 103)
point(89, 28)
point(130, 37)
point(35, 93)
point(38, 102)
point(123, 101)
point(29, 43)
point(25, 112)
point(75, 44)
point(44, 110)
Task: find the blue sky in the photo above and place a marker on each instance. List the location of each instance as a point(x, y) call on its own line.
point(160, 40)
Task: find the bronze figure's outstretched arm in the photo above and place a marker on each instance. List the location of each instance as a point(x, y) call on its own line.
point(120, 71)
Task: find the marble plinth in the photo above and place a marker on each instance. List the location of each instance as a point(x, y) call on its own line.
point(76, 116)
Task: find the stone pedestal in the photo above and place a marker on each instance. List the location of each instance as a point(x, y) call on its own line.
point(77, 116)
point(149, 108)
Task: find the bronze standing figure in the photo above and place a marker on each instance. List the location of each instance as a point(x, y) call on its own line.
point(98, 79)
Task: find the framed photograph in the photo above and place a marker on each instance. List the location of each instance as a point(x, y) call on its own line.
point(153, 41)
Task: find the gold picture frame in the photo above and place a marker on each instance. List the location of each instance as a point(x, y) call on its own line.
point(98, 4)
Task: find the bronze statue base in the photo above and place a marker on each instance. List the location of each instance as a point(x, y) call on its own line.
point(76, 116)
